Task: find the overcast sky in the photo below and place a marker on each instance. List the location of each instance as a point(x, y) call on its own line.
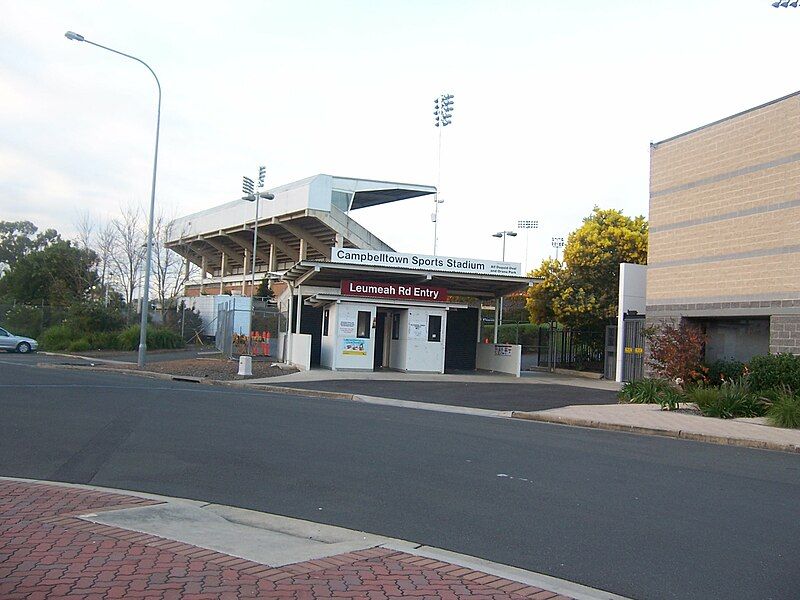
point(556, 103)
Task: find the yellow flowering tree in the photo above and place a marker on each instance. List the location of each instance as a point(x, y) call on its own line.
point(582, 291)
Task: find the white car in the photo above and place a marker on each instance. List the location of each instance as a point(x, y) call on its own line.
point(16, 343)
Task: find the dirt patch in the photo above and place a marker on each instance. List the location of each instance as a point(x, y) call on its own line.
point(215, 368)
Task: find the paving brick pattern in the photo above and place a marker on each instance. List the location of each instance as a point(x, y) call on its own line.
point(47, 552)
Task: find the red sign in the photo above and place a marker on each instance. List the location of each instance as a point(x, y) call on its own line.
point(396, 291)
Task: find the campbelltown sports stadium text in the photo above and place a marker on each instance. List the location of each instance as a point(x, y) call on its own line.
point(412, 260)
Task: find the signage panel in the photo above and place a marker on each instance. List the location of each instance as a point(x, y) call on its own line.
point(354, 256)
point(396, 291)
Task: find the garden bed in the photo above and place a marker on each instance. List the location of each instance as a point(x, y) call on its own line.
point(218, 369)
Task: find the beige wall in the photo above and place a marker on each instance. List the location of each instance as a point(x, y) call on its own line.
point(725, 210)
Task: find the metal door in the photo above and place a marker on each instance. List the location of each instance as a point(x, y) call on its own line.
point(610, 368)
point(633, 361)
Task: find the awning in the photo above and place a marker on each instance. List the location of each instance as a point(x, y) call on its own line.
point(327, 274)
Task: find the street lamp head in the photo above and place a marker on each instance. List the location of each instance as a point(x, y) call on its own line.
point(266, 196)
point(511, 233)
point(71, 35)
point(497, 235)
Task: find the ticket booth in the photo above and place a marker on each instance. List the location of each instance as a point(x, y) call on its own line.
point(374, 317)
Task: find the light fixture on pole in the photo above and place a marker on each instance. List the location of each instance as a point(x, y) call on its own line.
point(442, 117)
point(785, 3)
point(71, 35)
point(527, 225)
point(249, 189)
point(499, 318)
point(557, 242)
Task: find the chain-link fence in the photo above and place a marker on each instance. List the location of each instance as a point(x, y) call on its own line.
point(30, 320)
point(258, 331)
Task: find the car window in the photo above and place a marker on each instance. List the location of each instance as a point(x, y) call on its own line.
point(4, 333)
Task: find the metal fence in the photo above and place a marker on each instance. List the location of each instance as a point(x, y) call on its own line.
point(256, 331)
point(578, 349)
point(30, 320)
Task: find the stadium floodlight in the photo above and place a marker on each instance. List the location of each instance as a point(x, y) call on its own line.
point(527, 225)
point(557, 242)
point(443, 106)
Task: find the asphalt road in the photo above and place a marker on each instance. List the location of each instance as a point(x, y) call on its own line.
point(491, 395)
point(646, 517)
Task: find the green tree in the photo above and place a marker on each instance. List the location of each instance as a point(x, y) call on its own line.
point(19, 238)
point(60, 273)
point(582, 291)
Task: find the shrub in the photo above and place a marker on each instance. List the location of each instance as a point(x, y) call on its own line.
point(676, 352)
point(784, 409)
point(91, 317)
point(703, 396)
point(103, 340)
point(57, 337)
point(79, 345)
point(157, 338)
point(643, 391)
point(721, 370)
point(775, 371)
point(733, 399)
point(23, 320)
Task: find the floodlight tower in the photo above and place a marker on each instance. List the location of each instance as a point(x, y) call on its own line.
point(527, 225)
point(442, 117)
point(557, 242)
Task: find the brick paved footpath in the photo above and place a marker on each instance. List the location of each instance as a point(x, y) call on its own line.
point(46, 552)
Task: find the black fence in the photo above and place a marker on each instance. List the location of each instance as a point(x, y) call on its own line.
point(578, 349)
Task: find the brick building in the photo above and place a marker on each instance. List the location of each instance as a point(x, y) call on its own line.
point(725, 231)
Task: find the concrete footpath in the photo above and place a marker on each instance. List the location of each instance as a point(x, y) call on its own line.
point(650, 419)
point(68, 541)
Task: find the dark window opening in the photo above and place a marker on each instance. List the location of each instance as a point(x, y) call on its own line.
point(396, 326)
point(434, 328)
point(325, 317)
point(364, 319)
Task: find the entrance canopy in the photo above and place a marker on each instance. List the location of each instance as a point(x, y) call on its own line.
point(477, 285)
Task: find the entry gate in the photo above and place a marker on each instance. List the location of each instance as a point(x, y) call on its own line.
point(633, 358)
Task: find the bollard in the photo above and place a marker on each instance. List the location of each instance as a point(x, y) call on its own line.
point(245, 365)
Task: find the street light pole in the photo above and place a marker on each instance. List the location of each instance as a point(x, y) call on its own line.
point(251, 195)
point(70, 35)
point(499, 319)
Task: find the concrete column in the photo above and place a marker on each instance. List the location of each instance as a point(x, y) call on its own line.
point(303, 249)
point(272, 261)
point(496, 317)
point(246, 266)
point(222, 269)
point(299, 309)
point(203, 273)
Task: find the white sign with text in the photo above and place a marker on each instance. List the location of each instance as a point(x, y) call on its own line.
point(426, 262)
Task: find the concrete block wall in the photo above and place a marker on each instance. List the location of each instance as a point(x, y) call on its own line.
point(725, 210)
point(784, 334)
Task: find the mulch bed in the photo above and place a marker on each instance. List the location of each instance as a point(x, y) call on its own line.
point(214, 368)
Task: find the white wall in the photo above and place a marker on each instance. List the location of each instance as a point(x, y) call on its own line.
point(422, 355)
point(345, 329)
point(501, 358)
point(632, 296)
point(301, 350)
